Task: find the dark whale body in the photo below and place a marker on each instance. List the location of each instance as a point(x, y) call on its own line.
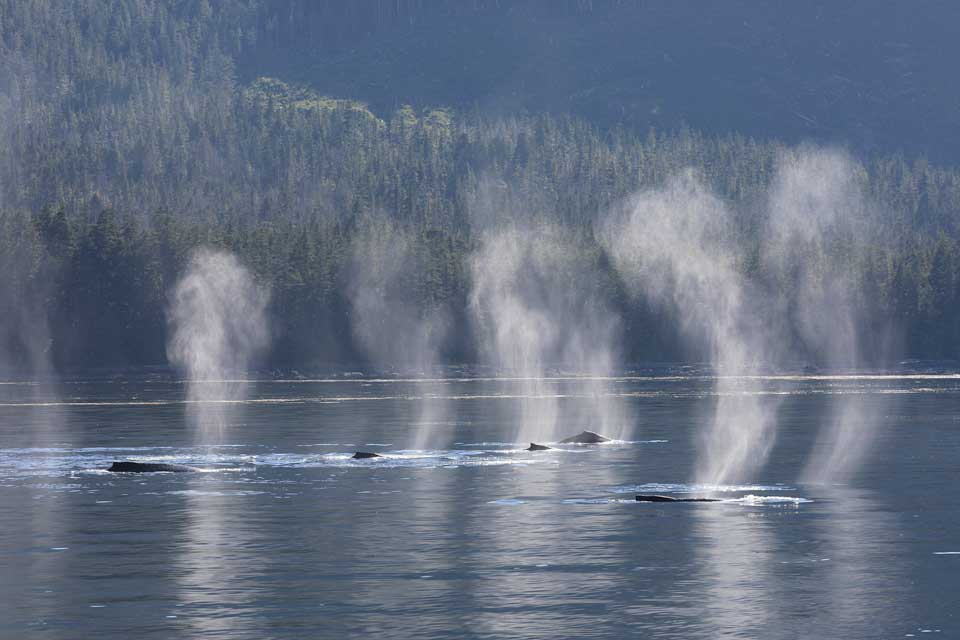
point(149, 467)
point(361, 455)
point(537, 447)
point(653, 498)
point(585, 437)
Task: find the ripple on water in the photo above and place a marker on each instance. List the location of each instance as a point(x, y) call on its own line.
point(667, 487)
point(769, 500)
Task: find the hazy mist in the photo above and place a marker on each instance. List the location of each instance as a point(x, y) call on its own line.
point(219, 326)
point(396, 330)
point(676, 247)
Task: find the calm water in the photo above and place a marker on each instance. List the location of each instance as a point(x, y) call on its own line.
point(476, 538)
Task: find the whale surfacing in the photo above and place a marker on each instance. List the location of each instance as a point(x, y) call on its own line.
point(585, 437)
point(362, 455)
point(149, 467)
point(655, 498)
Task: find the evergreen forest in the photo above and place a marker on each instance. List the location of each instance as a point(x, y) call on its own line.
point(134, 131)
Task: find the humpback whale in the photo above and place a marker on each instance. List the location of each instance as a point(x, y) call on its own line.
point(149, 467)
point(537, 447)
point(654, 498)
point(585, 437)
point(360, 455)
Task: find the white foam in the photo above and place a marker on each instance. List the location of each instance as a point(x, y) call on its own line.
point(769, 500)
point(661, 487)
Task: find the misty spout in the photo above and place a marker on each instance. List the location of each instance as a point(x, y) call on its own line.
point(676, 247)
point(820, 217)
point(397, 326)
point(218, 320)
point(537, 311)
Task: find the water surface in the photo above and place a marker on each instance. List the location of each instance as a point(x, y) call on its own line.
point(286, 536)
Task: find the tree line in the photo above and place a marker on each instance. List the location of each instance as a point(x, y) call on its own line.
point(307, 169)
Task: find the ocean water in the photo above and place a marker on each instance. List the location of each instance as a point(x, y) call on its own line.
point(471, 536)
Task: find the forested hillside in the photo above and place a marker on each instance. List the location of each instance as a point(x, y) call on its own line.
point(870, 73)
point(133, 131)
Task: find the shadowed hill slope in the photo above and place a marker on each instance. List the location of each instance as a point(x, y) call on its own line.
point(870, 74)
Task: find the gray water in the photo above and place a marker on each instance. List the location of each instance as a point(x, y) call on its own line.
point(287, 537)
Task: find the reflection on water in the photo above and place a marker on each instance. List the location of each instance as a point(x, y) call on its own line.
point(218, 562)
point(738, 549)
point(34, 558)
point(472, 536)
point(539, 571)
point(37, 523)
point(860, 573)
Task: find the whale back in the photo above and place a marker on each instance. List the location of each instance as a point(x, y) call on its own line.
point(585, 437)
point(655, 498)
point(148, 467)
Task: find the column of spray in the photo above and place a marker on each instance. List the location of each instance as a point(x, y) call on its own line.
point(391, 323)
point(818, 214)
point(675, 246)
point(516, 334)
point(31, 262)
point(219, 325)
point(536, 306)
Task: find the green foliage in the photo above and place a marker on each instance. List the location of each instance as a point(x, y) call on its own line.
point(133, 131)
